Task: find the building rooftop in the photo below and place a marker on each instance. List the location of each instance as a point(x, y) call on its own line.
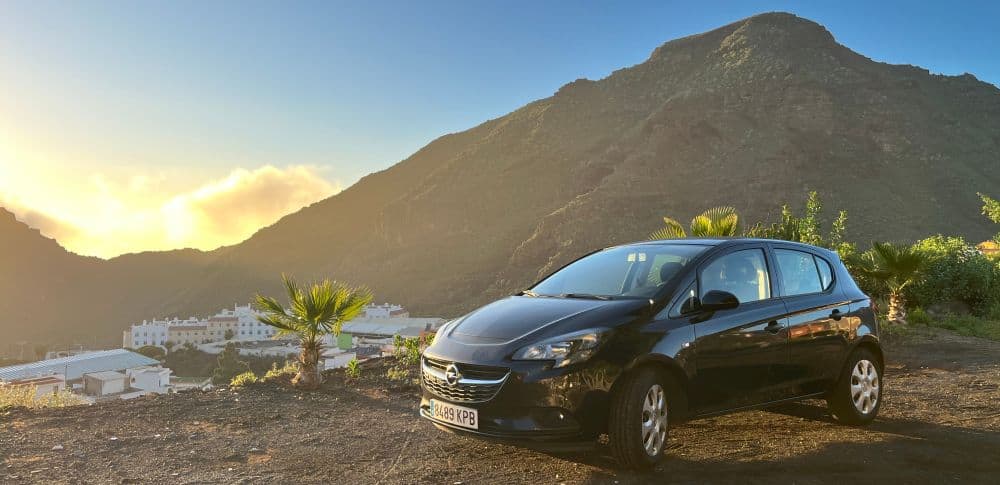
point(75, 366)
point(38, 381)
point(407, 327)
point(105, 375)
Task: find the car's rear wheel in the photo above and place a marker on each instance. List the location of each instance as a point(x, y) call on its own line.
point(857, 396)
point(639, 421)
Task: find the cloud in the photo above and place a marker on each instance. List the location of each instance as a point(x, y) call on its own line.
point(242, 203)
point(134, 216)
point(45, 223)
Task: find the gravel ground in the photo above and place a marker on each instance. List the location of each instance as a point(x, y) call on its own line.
point(940, 422)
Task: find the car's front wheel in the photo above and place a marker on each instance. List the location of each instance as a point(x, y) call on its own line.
point(857, 396)
point(639, 421)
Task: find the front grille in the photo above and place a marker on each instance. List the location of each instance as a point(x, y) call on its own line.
point(472, 371)
point(477, 383)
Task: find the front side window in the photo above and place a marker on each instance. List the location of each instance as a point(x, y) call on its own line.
point(628, 271)
point(742, 273)
point(800, 274)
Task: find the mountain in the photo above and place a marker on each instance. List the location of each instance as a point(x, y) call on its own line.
point(753, 114)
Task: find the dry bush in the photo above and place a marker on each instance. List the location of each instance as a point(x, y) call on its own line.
point(24, 396)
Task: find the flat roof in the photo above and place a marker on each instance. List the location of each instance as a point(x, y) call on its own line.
point(105, 375)
point(34, 381)
point(75, 366)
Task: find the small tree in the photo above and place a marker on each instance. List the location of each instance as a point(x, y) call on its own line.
point(229, 365)
point(715, 222)
point(808, 228)
point(152, 351)
point(314, 312)
point(229, 334)
point(991, 209)
point(891, 268)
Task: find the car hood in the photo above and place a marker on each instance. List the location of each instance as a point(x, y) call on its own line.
point(519, 318)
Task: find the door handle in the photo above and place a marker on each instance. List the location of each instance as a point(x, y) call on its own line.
point(773, 326)
point(836, 315)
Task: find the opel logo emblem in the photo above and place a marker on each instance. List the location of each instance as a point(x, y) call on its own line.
point(451, 375)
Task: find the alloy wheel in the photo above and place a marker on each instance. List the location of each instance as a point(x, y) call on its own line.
point(654, 420)
point(865, 386)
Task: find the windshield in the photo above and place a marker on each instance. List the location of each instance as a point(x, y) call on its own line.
point(630, 272)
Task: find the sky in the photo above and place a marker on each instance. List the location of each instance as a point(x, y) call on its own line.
point(133, 126)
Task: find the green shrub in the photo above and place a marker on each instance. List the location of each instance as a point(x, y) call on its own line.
point(353, 369)
point(283, 373)
point(241, 380)
point(919, 317)
point(397, 374)
point(955, 271)
point(407, 351)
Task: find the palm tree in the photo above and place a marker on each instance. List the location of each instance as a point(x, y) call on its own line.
point(891, 268)
point(715, 222)
point(314, 312)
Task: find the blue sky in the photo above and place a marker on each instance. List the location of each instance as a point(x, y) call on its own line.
point(184, 93)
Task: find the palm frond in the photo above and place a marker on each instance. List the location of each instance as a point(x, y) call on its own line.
point(716, 222)
point(671, 230)
point(891, 266)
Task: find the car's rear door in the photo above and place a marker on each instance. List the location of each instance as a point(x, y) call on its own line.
point(736, 351)
point(817, 329)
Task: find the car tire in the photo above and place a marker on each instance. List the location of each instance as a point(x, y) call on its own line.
point(629, 430)
point(857, 396)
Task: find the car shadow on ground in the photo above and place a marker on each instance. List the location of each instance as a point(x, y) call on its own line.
point(889, 450)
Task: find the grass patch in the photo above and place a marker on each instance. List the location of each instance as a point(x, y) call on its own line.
point(970, 326)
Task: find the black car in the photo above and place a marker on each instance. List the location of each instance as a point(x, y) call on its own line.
point(629, 339)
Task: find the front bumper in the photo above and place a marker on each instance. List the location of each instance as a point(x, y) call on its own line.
point(534, 402)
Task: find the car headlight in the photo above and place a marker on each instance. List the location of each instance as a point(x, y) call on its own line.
point(564, 349)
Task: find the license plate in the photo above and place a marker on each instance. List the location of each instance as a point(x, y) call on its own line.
point(457, 415)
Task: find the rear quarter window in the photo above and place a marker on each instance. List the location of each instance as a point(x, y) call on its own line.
point(803, 273)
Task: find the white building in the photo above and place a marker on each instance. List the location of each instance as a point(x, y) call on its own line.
point(386, 310)
point(152, 379)
point(106, 383)
point(246, 327)
point(154, 332)
point(240, 322)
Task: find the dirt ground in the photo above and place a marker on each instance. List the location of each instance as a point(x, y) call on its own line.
point(940, 422)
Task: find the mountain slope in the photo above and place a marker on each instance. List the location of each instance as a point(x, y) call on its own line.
point(752, 114)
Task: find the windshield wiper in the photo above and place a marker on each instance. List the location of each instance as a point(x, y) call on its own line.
point(527, 293)
point(585, 296)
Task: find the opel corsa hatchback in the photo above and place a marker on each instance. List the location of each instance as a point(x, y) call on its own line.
point(631, 339)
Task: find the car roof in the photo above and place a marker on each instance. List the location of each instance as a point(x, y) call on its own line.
point(717, 241)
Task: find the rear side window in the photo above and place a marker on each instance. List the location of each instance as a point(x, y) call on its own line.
point(802, 273)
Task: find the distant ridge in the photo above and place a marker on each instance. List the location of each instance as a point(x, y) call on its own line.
point(752, 114)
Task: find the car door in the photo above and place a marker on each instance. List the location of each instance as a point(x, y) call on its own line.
point(817, 329)
point(737, 350)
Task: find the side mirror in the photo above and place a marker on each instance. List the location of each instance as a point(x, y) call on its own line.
point(718, 300)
